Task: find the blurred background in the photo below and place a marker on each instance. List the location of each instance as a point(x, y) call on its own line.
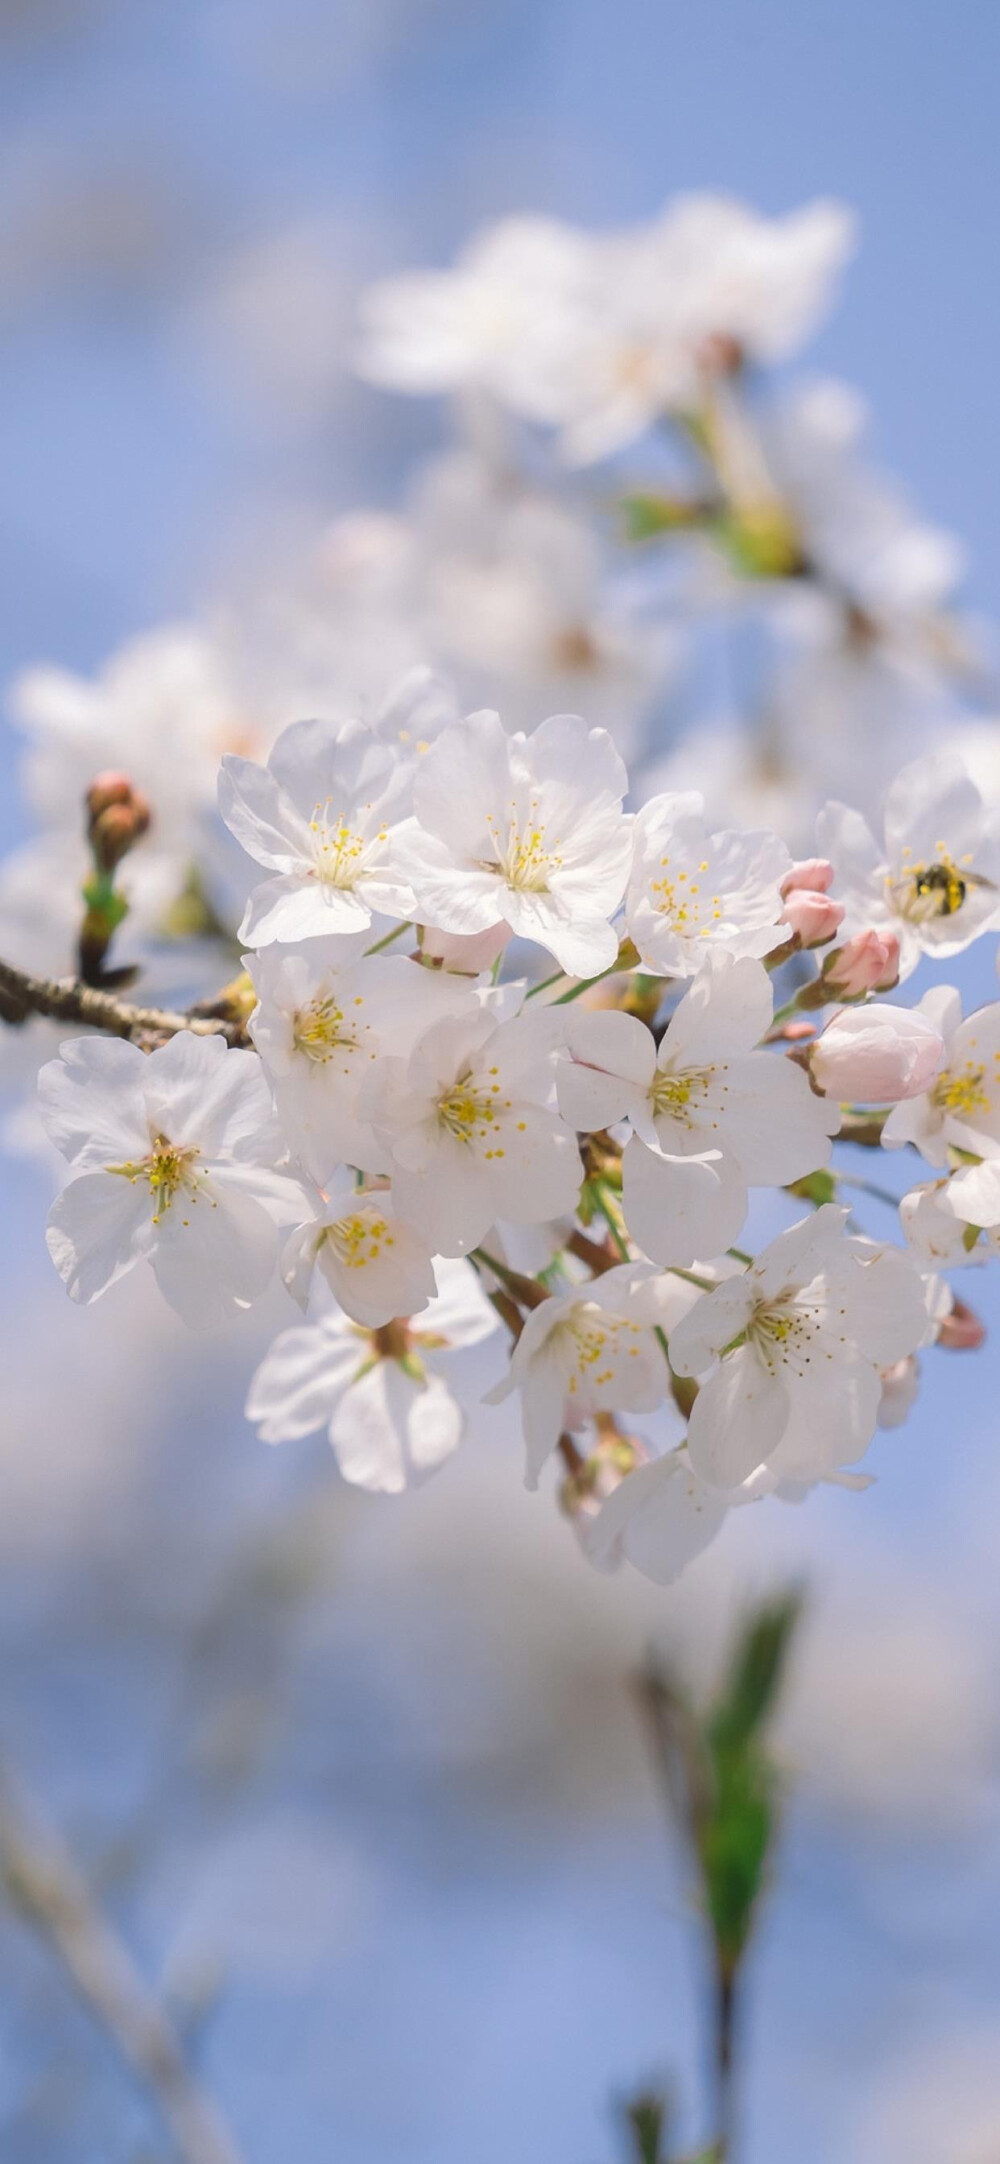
point(360, 1781)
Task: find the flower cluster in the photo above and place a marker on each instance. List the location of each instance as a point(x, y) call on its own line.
point(514, 1067)
point(513, 1054)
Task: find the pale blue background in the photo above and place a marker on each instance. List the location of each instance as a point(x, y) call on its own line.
point(506, 1948)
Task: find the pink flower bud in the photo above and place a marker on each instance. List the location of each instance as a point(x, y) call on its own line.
point(867, 963)
point(876, 1055)
point(815, 874)
point(814, 916)
point(961, 1331)
point(118, 815)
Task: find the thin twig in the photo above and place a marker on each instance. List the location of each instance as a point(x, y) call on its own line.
point(66, 999)
point(48, 1889)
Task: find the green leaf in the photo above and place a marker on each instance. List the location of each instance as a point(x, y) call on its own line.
point(817, 1188)
point(646, 2119)
point(755, 1671)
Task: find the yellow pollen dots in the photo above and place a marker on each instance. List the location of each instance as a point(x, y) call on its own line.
point(963, 1089)
point(785, 1336)
point(673, 1093)
point(679, 897)
point(358, 1238)
point(469, 1112)
point(598, 1343)
point(321, 1029)
point(168, 1168)
point(339, 849)
point(522, 858)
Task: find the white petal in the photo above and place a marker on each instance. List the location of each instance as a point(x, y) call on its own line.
point(680, 1208)
point(301, 1379)
point(612, 1059)
point(737, 1420)
point(98, 1228)
point(91, 1104)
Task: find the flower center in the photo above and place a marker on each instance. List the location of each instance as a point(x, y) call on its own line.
point(783, 1335)
point(340, 850)
point(359, 1237)
point(596, 1343)
point(679, 898)
point(167, 1169)
point(469, 1112)
point(321, 1029)
point(672, 1094)
point(522, 858)
point(961, 1090)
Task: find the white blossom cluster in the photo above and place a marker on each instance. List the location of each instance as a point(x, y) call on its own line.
point(421, 1106)
point(518, 1045)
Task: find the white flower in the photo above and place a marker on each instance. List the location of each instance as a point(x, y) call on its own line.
point(589, 1351)
point(524, 830)
point(390, 1413)
point(961, 1110)
point(478, 325)
point(691, 890)
point(936, 1231)
point(375, 1265)
point(324, 815)
point(788, 1355)
point(469, 1130)
point(707, 1090)
point(934, 880)
point(658, 1519)
point(323, 1020)
point(174, 1154)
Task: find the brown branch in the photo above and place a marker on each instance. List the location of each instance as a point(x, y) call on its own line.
point(45, 1885)
point(66, 999)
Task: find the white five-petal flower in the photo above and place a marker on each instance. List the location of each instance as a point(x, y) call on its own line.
point(470, 1129)
point(323, 1022)
point(324, 816)
point(935, 879)
point(376, 1266)
point(788, 1354)
point(711, 1114)
point(385, 1396)
point(593, 1350)
point(961, 1110)
point(523, 830)
point(691, 890)
point(175, 1155)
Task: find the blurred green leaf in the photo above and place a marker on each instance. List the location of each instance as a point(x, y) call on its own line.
point(817, 1188)
point(755, 1672)
point(646, 2119)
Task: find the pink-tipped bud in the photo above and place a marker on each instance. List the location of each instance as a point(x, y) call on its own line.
point(962, 1330)
point(814, 916)
point(814, 874)
point(867, 963)
point(876, 1055)
point(117, 816)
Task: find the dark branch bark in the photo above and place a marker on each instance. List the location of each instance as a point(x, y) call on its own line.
point(66, 999)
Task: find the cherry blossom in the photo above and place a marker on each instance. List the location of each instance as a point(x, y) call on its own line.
point(176, 1158)
point(524, 830)
point(788, 1355)
point(588, 1351)
point(324, 816)
point(691, 890)
point(385, 1396)
point(470, 1131)
point(935, 880)
point(375, 1264)
point(961, 1108)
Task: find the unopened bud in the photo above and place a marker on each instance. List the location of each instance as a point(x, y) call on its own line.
point(962, 1330)
point(815, 916)
point(117, 816)
point(876, 1055)
point(867, 963)
point(815, 874)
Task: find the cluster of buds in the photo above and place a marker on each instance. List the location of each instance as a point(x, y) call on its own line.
point(118, 815)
